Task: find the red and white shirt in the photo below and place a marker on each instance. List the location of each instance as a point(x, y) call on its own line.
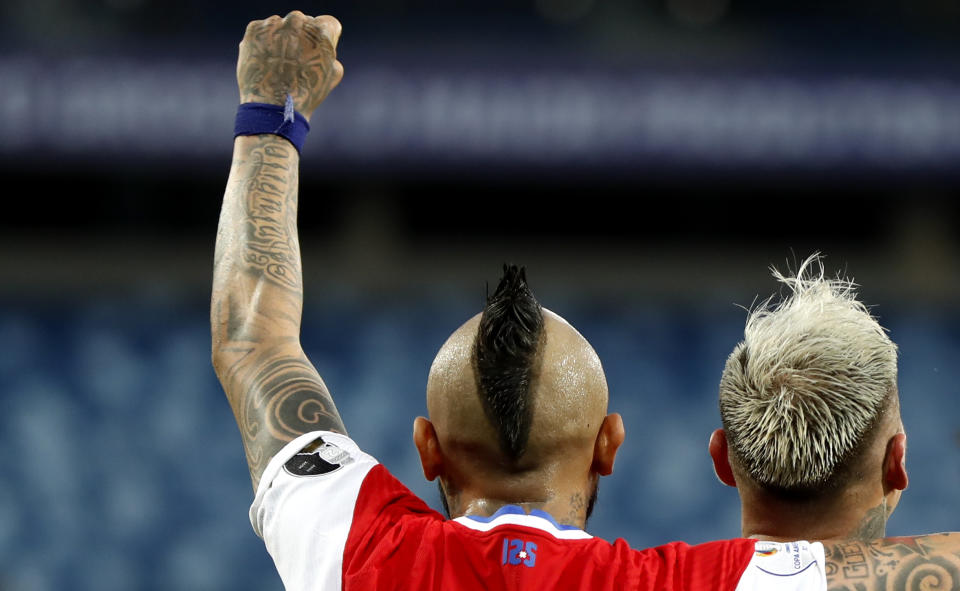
point(333, 518)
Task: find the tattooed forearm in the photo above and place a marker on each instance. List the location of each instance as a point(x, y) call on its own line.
point(266, 185)
point(257, 281)
point(922, 563)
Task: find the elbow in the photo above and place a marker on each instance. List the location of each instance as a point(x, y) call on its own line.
point(219, 364)
point(219, 359)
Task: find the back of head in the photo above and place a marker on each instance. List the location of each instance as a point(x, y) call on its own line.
point(516, 388)
point(803, 393)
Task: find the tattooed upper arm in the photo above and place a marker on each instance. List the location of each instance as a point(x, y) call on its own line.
point(277, 395)
point(921, 563)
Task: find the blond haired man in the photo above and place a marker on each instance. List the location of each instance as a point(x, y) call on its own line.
point(812, 436)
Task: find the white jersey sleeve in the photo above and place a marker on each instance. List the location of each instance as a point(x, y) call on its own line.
point(304, 507)
point(786, 566)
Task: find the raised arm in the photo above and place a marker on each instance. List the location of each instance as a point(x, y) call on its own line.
point(257, 301)
point(920, 563)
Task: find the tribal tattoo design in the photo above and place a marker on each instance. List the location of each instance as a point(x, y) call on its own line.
point(924, 563)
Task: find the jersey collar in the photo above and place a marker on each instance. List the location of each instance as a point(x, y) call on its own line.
point(515, 515)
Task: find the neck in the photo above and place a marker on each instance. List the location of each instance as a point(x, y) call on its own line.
point(841, 518)
point(568, 506)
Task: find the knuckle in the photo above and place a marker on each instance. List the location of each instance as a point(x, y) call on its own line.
point(328, 27)
point(293, 16)
point(263, 25)
point(328, 22)
point(321, 30)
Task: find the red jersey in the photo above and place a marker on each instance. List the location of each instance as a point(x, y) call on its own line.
point(333, 518)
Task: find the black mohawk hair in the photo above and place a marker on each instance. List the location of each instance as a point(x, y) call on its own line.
point(505, 350)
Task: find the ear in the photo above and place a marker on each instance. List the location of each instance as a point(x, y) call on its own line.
point(721, 457)
point(428, 446)
point(609, 440)
point(895, 463)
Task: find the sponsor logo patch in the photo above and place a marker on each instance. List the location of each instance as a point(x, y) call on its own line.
point(317, 459)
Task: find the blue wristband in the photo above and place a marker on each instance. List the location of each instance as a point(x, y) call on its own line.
point(258, 118)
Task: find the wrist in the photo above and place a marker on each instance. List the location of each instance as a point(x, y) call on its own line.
point(255, 118)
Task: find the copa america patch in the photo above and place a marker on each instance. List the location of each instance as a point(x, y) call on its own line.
point(766, 548)
point(783, 559)
point(317, 459)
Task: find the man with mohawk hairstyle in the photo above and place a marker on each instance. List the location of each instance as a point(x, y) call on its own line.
point(812, 436)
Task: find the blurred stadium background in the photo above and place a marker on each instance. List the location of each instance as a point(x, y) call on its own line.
point(646, 160)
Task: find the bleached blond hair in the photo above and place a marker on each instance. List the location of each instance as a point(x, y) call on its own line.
point(805, 388)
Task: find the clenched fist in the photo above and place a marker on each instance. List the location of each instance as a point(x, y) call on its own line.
point(295, 55)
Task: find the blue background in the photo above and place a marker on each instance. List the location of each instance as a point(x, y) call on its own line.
point(123, 467)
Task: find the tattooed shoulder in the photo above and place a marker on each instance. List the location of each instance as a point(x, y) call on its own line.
point(895, 564)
